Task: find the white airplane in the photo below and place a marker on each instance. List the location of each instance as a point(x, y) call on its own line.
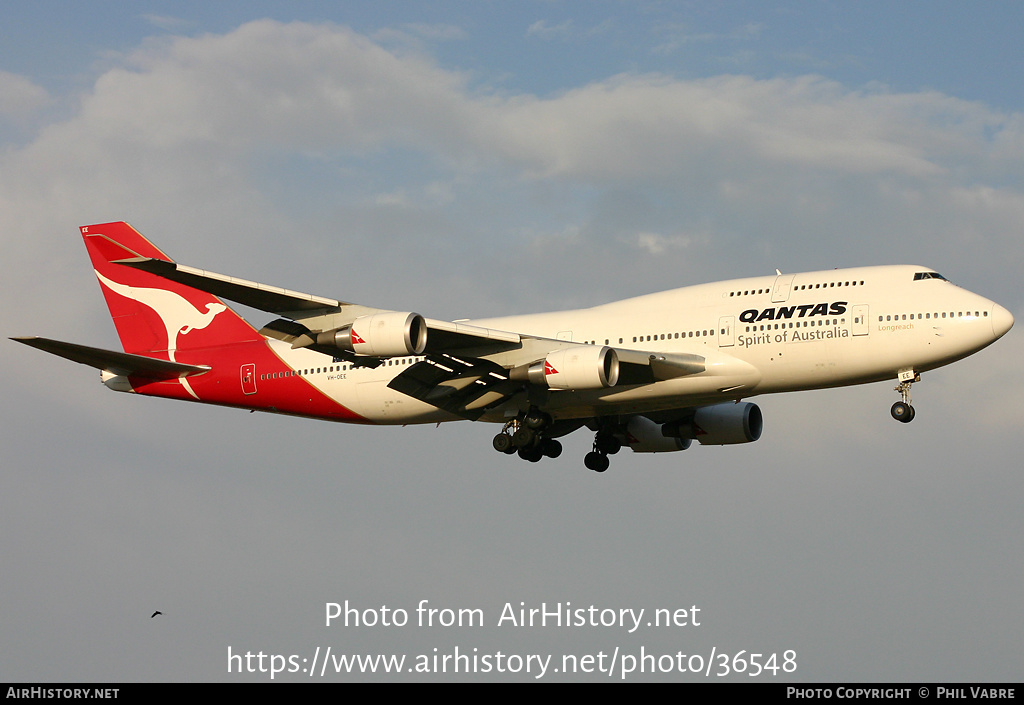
point(654, 372)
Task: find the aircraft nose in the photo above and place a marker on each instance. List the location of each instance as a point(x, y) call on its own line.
point(1002, 320)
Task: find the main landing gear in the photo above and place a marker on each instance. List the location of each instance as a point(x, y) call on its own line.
point(605, 444)
point(902, 411)
point(528, 437)
point(525, 436)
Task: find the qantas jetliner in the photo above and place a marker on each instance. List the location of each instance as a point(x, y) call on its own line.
point(655, 372)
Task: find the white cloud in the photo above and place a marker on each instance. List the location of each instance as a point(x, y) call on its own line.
point(188, 132)
point(20, 97)
point(544, 30)
point(167, 22)
point(658, 244)
point(679, 35)
point(436, 32)
point(568, 30)
point(654, 126)
point(415, 38)
point(273, 86)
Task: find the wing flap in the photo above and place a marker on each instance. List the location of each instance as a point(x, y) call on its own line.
point(464, 387)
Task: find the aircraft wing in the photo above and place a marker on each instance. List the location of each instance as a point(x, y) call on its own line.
point(259, 296)
point(468, 386)
point(305, 315)
point(116, 362)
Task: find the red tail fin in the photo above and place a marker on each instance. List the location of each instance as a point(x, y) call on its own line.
point(155, 316)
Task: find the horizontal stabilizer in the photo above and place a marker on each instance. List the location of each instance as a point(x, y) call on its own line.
point(116, 362)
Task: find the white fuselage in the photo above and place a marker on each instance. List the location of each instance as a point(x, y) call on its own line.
point(759, 335)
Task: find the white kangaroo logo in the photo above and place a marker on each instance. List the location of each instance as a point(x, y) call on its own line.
point(178, 315)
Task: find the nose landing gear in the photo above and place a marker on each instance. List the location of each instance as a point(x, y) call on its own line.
point(902, 411)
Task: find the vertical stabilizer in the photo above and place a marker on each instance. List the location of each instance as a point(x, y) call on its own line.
point(155, 316)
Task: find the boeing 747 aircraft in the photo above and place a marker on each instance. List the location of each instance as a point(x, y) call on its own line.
point(655, 372)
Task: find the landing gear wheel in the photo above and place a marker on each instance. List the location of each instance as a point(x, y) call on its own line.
point(607, 444)
point(598, 462)
point(902, 412)
point(533, 454)
point(523, 437)
point(502, 442)
point(551, 448)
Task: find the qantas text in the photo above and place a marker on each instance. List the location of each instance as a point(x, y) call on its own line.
point(752, 315)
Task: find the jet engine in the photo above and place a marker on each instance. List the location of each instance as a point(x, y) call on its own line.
point(577, 367)
point(645, 436)
point(381, 334)
point(719, 425)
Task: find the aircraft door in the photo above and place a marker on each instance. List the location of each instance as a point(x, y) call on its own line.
point(725, 331)
point(860, 324)
point(783, 285)
point(248, 375)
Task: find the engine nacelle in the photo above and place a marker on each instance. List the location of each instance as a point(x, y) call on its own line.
point(119, 383)
point(721, 424)
point(578, 367)
point(381, 335)
point(645, 436)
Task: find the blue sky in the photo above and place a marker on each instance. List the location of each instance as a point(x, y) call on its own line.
point(480, 159)
point(959, 48)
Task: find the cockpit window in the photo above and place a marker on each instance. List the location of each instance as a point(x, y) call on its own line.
point(929, 275)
